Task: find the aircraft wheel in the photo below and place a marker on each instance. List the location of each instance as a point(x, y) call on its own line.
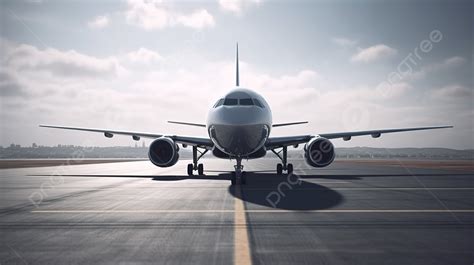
point(201, 169)
point(190, 169)
point(279, 169)
point(290, 168)
point(233, 179)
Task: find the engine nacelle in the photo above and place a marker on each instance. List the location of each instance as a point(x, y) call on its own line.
point(163, 152)
point(319, 152)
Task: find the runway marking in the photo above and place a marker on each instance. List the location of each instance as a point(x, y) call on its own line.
point(241, 238)
point(363, 188)
point(240, 212)
point(224, 188)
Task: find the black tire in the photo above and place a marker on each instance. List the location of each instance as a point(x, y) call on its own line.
point(279, 169)
point(201, 169)
point(190, 169)
point(232, 178)
point(243, 178)
point(290, 168)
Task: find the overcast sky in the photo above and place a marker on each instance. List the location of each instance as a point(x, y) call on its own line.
point(132, 65)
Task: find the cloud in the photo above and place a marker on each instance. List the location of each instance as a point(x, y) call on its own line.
point(99, 22)
point(199, 19)
point(373, 53)
point(454, 61)
point(236, 6)
point(391, 91)
point(344, 42)
point(61, 63)
point(156, 14)
point(447, 64)
point(9, 85)
point(143, 55)
point(454, 92)
point(42, 94)
point(282, 84)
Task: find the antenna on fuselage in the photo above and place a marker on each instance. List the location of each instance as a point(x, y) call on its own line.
point(237, 79)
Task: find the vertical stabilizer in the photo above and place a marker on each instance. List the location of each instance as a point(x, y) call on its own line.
point(237, 79)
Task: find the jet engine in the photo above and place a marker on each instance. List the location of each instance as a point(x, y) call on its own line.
point(163, 152)
point(319, 152)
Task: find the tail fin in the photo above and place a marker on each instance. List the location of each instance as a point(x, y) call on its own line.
point(237, 79)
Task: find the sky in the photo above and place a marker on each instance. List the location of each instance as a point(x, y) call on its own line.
point(133, 65)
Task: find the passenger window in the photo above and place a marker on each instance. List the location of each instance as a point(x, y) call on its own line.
point(246, 102)
point(219, 103)
point(258, 103)
point(230, 102)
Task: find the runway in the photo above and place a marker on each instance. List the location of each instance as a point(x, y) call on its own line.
point(135, 213)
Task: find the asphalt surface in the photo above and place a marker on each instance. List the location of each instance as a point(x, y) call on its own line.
point(136, 213)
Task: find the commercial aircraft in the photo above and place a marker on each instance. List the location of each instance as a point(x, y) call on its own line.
point(239, 126)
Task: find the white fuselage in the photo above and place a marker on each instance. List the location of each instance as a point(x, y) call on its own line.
point(239, 123)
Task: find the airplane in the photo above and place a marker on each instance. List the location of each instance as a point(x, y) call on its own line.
point(239, 126)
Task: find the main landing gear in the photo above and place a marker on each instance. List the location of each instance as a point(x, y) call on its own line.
point(284, 166)
point(238, 177)
point(195, 166)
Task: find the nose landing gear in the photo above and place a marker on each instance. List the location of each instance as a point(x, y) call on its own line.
point(238, 177)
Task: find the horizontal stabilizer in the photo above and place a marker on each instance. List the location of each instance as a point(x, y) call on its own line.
point(289, 123)
point(188, 123)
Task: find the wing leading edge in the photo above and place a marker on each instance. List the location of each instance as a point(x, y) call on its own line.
point(193, 141)
point(376, 133)
point(276, 142)
point(272, 142)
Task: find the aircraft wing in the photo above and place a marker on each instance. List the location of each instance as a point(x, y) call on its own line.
point(346, 136)
point(193, 141)
point(276, 142)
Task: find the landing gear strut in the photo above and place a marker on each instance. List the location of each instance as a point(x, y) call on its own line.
point(195, 166)
point(283, 157)
point(238, 176)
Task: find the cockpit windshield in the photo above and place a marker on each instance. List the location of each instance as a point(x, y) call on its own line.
point(246, 101)
point(258, 103)
point(236, 102)
point(231, 102)
point(219, 103)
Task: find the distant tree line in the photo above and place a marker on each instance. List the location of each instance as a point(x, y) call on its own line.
point(15, 151)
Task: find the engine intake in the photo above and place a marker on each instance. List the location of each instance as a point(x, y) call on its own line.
point(319, 152)
point(163, 152)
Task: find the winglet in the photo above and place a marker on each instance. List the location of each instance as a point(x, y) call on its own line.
point(237, 79)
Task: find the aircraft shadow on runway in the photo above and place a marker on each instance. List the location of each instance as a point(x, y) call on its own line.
point(272, 191)
point(288, 192)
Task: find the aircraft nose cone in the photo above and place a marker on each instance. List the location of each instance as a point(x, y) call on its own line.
point(239, 140)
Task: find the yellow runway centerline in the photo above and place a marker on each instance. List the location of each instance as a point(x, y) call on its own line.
point(241, 238)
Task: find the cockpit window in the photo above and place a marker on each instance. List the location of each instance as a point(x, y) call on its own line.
point(231, 102)
point(258, 103)
point(219, 103)
point(246, 101)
